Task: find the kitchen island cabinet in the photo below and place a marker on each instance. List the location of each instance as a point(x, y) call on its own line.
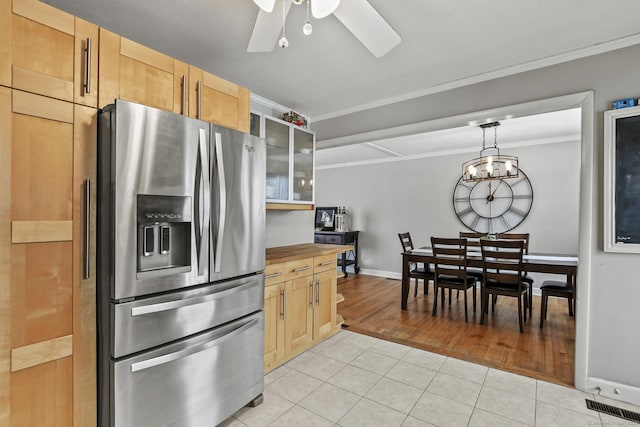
point(300, 299)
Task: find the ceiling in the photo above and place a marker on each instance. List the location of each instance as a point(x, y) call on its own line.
point(548, 128)
point(444, 44)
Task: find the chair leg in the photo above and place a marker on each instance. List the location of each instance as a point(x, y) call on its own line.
point(466, 316)
point(526, 305)
point(415, 291)
point(570, 302)
point(474, 297)
point(435, 299)
point(543, 308)
point(426, 286)
point(530, 300)
point(520, 314)
point(484, 301)
point(449, 297)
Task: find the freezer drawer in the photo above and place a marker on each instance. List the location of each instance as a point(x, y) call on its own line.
point(198, 382)
point(146, 323)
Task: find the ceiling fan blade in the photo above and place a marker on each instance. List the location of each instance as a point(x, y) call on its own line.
point(322, 8)
point(368, 26)
point(267, 28)
point(266, 5)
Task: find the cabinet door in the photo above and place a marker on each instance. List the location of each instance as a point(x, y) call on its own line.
point(84, 271)
point(134, 72)
point(277, 137)
point(298, 314)
point(303, 149)
point(218, 101)
point(38, 49)
point(324, 313)
point(40, 252)
point(273, 325)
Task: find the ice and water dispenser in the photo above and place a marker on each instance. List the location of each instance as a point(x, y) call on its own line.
point(164, 235)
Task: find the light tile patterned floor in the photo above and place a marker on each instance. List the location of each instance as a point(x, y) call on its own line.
point(353, 380)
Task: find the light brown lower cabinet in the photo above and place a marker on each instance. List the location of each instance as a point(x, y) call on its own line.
point(299, 306)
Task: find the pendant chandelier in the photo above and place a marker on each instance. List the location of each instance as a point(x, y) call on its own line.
point(491, 164)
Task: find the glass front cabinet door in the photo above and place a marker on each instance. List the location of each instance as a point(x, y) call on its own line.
point(290, 151)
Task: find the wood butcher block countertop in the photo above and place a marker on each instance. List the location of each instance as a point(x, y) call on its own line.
point(305, 250)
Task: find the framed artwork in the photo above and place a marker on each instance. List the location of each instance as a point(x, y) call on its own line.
point(622, 180)
point(325, 218)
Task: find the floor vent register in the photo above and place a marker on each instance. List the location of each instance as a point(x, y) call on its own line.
point(613, 410)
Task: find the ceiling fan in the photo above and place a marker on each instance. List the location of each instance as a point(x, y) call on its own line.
point(357, 15)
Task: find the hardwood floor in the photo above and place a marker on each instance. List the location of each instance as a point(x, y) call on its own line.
point(372, 307)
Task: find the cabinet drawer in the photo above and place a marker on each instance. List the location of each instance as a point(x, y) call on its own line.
point(324, 263)
point(299, 268)
point(333, 240)
point(274, 273)
point(318, 238)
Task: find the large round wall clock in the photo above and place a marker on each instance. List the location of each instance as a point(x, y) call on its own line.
point(493, 206)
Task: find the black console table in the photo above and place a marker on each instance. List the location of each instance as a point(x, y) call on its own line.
point(342, 238)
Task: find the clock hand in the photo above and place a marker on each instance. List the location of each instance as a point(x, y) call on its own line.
point(491, 193)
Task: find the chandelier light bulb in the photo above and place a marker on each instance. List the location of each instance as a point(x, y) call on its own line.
point(307, 28)
point(472, 170)
point(296, 1)
point(508, 166)
point(284, 43)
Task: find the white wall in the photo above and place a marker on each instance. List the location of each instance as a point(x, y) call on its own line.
point(416, 196)
point(289, 227)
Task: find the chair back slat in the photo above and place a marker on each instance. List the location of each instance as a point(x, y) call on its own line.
point(450, 256)
point(502, 260)
point(516, 236)
point(405, 240)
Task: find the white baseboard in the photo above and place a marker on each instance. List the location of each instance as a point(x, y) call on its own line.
point(381, 273)
point(623, 392)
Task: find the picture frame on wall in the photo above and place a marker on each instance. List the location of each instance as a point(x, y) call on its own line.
point(622, 180)
point(325, 218)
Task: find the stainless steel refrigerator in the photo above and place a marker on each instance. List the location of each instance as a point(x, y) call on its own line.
point(181, 248)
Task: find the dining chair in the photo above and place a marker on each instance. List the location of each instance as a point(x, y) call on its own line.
point(502, 274)
point(555, 288)
point(473, 244)
point(416, 271)
point(526, 278)
point(450, 261)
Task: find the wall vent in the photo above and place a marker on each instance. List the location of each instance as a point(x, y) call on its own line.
point(613, 410)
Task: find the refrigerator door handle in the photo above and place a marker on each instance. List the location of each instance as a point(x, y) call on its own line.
point(173, 305)
point(202, 214)
point(223, 203)
point(161, 360)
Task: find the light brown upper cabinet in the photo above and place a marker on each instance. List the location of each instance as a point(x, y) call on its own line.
point(49, 52)
point(218, 101)
point(136, 73)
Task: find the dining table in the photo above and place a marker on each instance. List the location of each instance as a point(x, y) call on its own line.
point(532, 263)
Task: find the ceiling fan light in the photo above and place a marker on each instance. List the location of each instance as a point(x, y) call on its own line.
point(307, 28)
point(322, 8)
point(266, 5)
